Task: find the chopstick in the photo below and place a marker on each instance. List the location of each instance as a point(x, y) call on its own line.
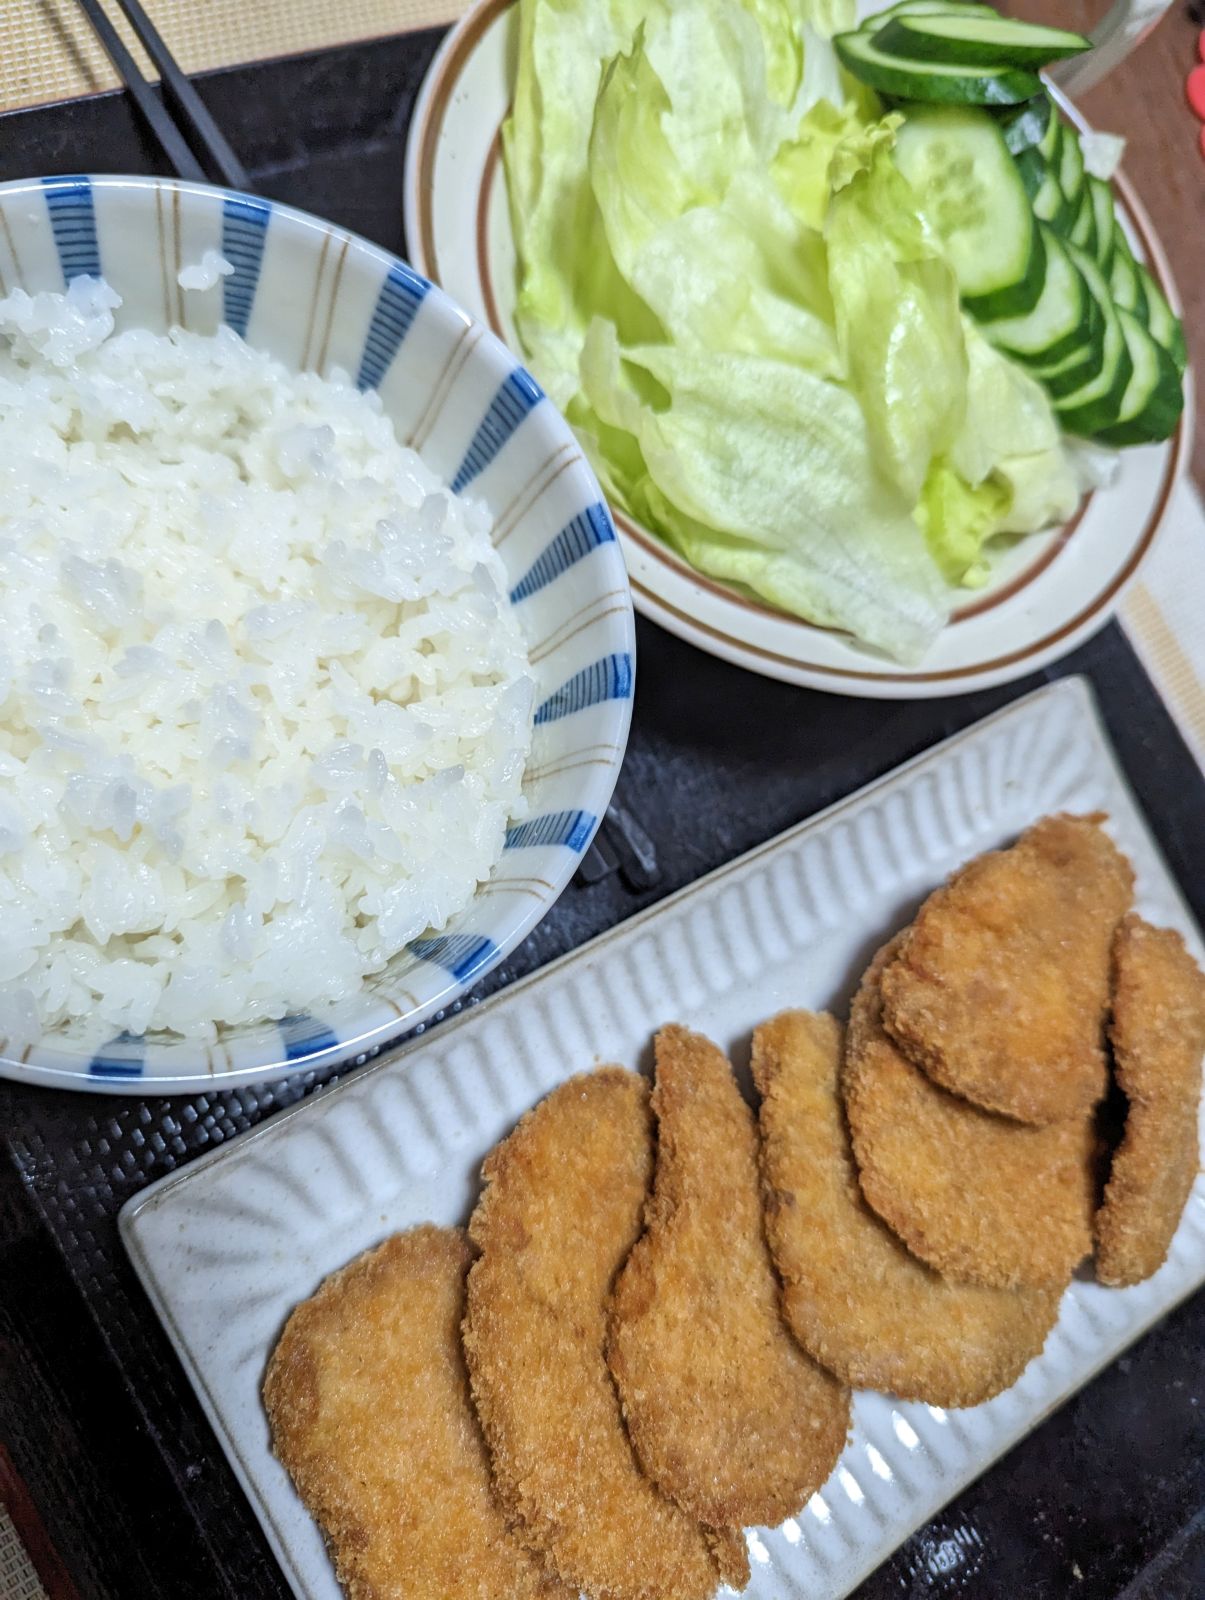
point(176, 88)
point(187, 101)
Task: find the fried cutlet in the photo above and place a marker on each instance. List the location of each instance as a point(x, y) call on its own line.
point(979, 1197)
point(1001, 988)
point(368, 1401)
point(855, 1297)
point(562, 1207)
point(728, 1415)
point(1158, 1037)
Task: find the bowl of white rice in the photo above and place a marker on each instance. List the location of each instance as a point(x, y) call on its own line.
point(316, 644)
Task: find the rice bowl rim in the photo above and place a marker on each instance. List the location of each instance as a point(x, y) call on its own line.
point(471, 387)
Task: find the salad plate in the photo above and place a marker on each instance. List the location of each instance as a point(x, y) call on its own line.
point(229, 1245)
point(1047, 593)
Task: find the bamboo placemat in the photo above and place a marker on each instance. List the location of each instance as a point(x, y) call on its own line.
point(48, 52)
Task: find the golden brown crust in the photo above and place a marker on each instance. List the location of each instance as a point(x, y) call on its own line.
point(1158, 1036)
point(1001, 987)
point(856, 1298)
point(368, 1402)
point(728, 1415)
point(981, 1199)
point(562, 1207)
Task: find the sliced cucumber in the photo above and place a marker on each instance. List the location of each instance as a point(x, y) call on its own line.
point(1048, 146)
point(931, 82)
point(1124, 281)
point(1027, 126)
point(1154, 396)
point(1083, 224)
point(1042, 187)
point(1075, 370)
point(1059, 324)
point(977, 41)
point(968, 184)
point(907, 8)
point(1097, 403)
point(1102, 216)
point(1165, 327)
point(1071, 165)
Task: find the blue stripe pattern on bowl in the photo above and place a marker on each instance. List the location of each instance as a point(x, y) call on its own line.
point(517, 395)
point(465, 955)
point(608, 679)
point(576, 540)
point(73, 221)
point(397, 305)
point(574, 829)
point(244, 235)
point(303, 1037)
point(299, 286)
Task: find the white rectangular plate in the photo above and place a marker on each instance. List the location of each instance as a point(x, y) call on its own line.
point(227, 1247)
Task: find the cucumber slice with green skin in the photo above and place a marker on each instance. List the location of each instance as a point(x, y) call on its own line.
point(930, 82)
point(1102, 215)
point(878, 19)
point(1060, 322)
point(1124, 281)
point(1071, 165)
point(1027, 126)
point(1097, 404)
point(1075, 370)
point(1164, 326)
point(969, 187)
point(1048, 146)
point(1154, 397)
point(1042, 187)
point(1083, 224)
point(976, 41)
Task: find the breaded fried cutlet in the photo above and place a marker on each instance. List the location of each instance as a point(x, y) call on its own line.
point(368, 1401)
point(728, 1415)
point(562, 1207)
point(1158, 1037)
point(976, 1196)
point(1000, 990)
point(855, 1297)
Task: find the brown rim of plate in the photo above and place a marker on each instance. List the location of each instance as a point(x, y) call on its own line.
point(462, 46)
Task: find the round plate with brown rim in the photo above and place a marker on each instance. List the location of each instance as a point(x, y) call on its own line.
point(1048, 593)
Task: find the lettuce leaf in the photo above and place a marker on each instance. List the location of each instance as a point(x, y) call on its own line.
point(899, 327)
point(761, 472)
point(727, 285)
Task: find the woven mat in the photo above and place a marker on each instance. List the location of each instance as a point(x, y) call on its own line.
point(48, 51)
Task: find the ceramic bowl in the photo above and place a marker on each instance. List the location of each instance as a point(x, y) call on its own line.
point(319, 298)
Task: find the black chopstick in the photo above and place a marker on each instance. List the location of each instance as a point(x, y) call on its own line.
point(164, 129)
point(185, 98)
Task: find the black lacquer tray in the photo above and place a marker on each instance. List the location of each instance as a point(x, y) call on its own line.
point(1106, 1501)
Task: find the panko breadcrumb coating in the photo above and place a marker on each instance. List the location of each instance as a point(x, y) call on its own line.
point(1158, 1035)
point(368, 1401)
point(856, 1298)
point(978, 1197)
point(728, 1415)
point(562, 1207)
point(1001, 987)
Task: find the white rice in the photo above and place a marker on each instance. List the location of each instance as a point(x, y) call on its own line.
point(264, 704)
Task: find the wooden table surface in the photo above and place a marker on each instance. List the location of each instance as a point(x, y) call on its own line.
point(1145, 101)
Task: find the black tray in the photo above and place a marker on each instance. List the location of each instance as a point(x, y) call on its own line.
point(1103, 1502)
